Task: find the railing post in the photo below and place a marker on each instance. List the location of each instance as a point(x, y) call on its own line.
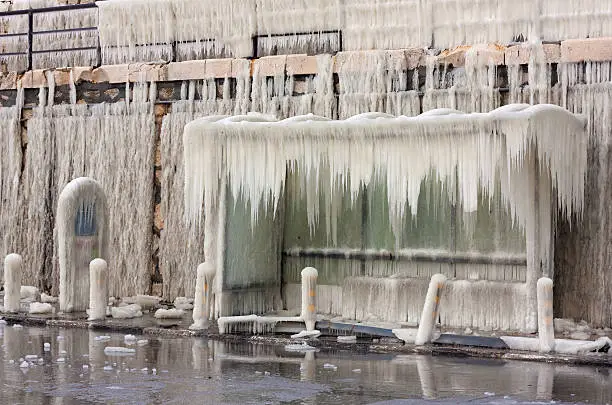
point(30, 37)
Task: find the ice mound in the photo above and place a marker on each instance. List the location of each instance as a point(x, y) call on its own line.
point(118, 351)
point(29, 293)
point(169, 313)
point(126, 312)
point(44, 298)
point(183, 303)
point(40, 308)
point(145, 301)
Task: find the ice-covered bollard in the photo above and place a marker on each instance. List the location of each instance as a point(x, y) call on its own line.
point(430, 310)
point(546, 329)
point(98, 289)
point(82, 235)
point(309, 297)
point(12, 282)
point(202, 302)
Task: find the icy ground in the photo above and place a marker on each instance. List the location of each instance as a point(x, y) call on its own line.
point(79, 366)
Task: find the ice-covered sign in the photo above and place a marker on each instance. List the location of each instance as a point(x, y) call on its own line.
point(82, 235)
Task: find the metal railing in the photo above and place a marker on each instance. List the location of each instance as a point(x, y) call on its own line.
point(173, 47)
point(31, 33)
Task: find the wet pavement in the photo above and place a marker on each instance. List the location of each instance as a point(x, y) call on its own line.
point(71, 366)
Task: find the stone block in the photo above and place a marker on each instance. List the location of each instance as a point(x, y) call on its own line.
point(218, 68)
point(189, 70)
point(301, 65)
point(110, 74)
point(271, 65)
point(589, 50)
point(481, 54)
point(521, 54)
point(415, 57)
point(34, 79)
point(238, 67)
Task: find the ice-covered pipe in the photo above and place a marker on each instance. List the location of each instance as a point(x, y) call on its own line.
point(430, 310)
point(12, 282)
point(98, 289)
point(546, 329)
point(309, 297)
point(203, 296)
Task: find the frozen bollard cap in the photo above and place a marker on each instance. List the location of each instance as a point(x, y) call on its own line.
point(206, 269)
point(310, 272)
point(98, 263)
point(13, 259)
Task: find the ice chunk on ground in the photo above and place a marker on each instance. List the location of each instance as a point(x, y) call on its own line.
point(17, 326)
point(183, 303)
point(108, 368)
point(60, 360)
point(328, 366)
point(129, 339)
point(127, 312)
point(347, 339)
point(47, 346)
point(24, 364)
point(48, 298)
point(306, 334)
point(405, 334)
point(580, 335)
point(31, 357)
point(145, 301)
point(118, 351)
point(169, 313)
point(40, 308)
point(103, 338)
point(29, 293)
point(142, 342)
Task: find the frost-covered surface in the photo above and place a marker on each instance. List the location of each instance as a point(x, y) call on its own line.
point(253, 323)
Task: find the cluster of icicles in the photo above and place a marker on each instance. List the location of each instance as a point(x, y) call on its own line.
point(468, 152)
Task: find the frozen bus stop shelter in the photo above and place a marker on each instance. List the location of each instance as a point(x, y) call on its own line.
point(378, 204)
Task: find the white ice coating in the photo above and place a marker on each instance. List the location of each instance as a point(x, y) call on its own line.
point(172, 313)
point(12, 282)
point(82, 204)
point(98, 289)
point(430, 310)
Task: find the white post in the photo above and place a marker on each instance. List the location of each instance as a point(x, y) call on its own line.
point(546, 329)
point(12, 282)
point(309, 297)
point(98, 289)
point(430, 310)
point(203, 296)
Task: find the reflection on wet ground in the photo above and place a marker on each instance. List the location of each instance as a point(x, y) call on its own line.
point(70, 366)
